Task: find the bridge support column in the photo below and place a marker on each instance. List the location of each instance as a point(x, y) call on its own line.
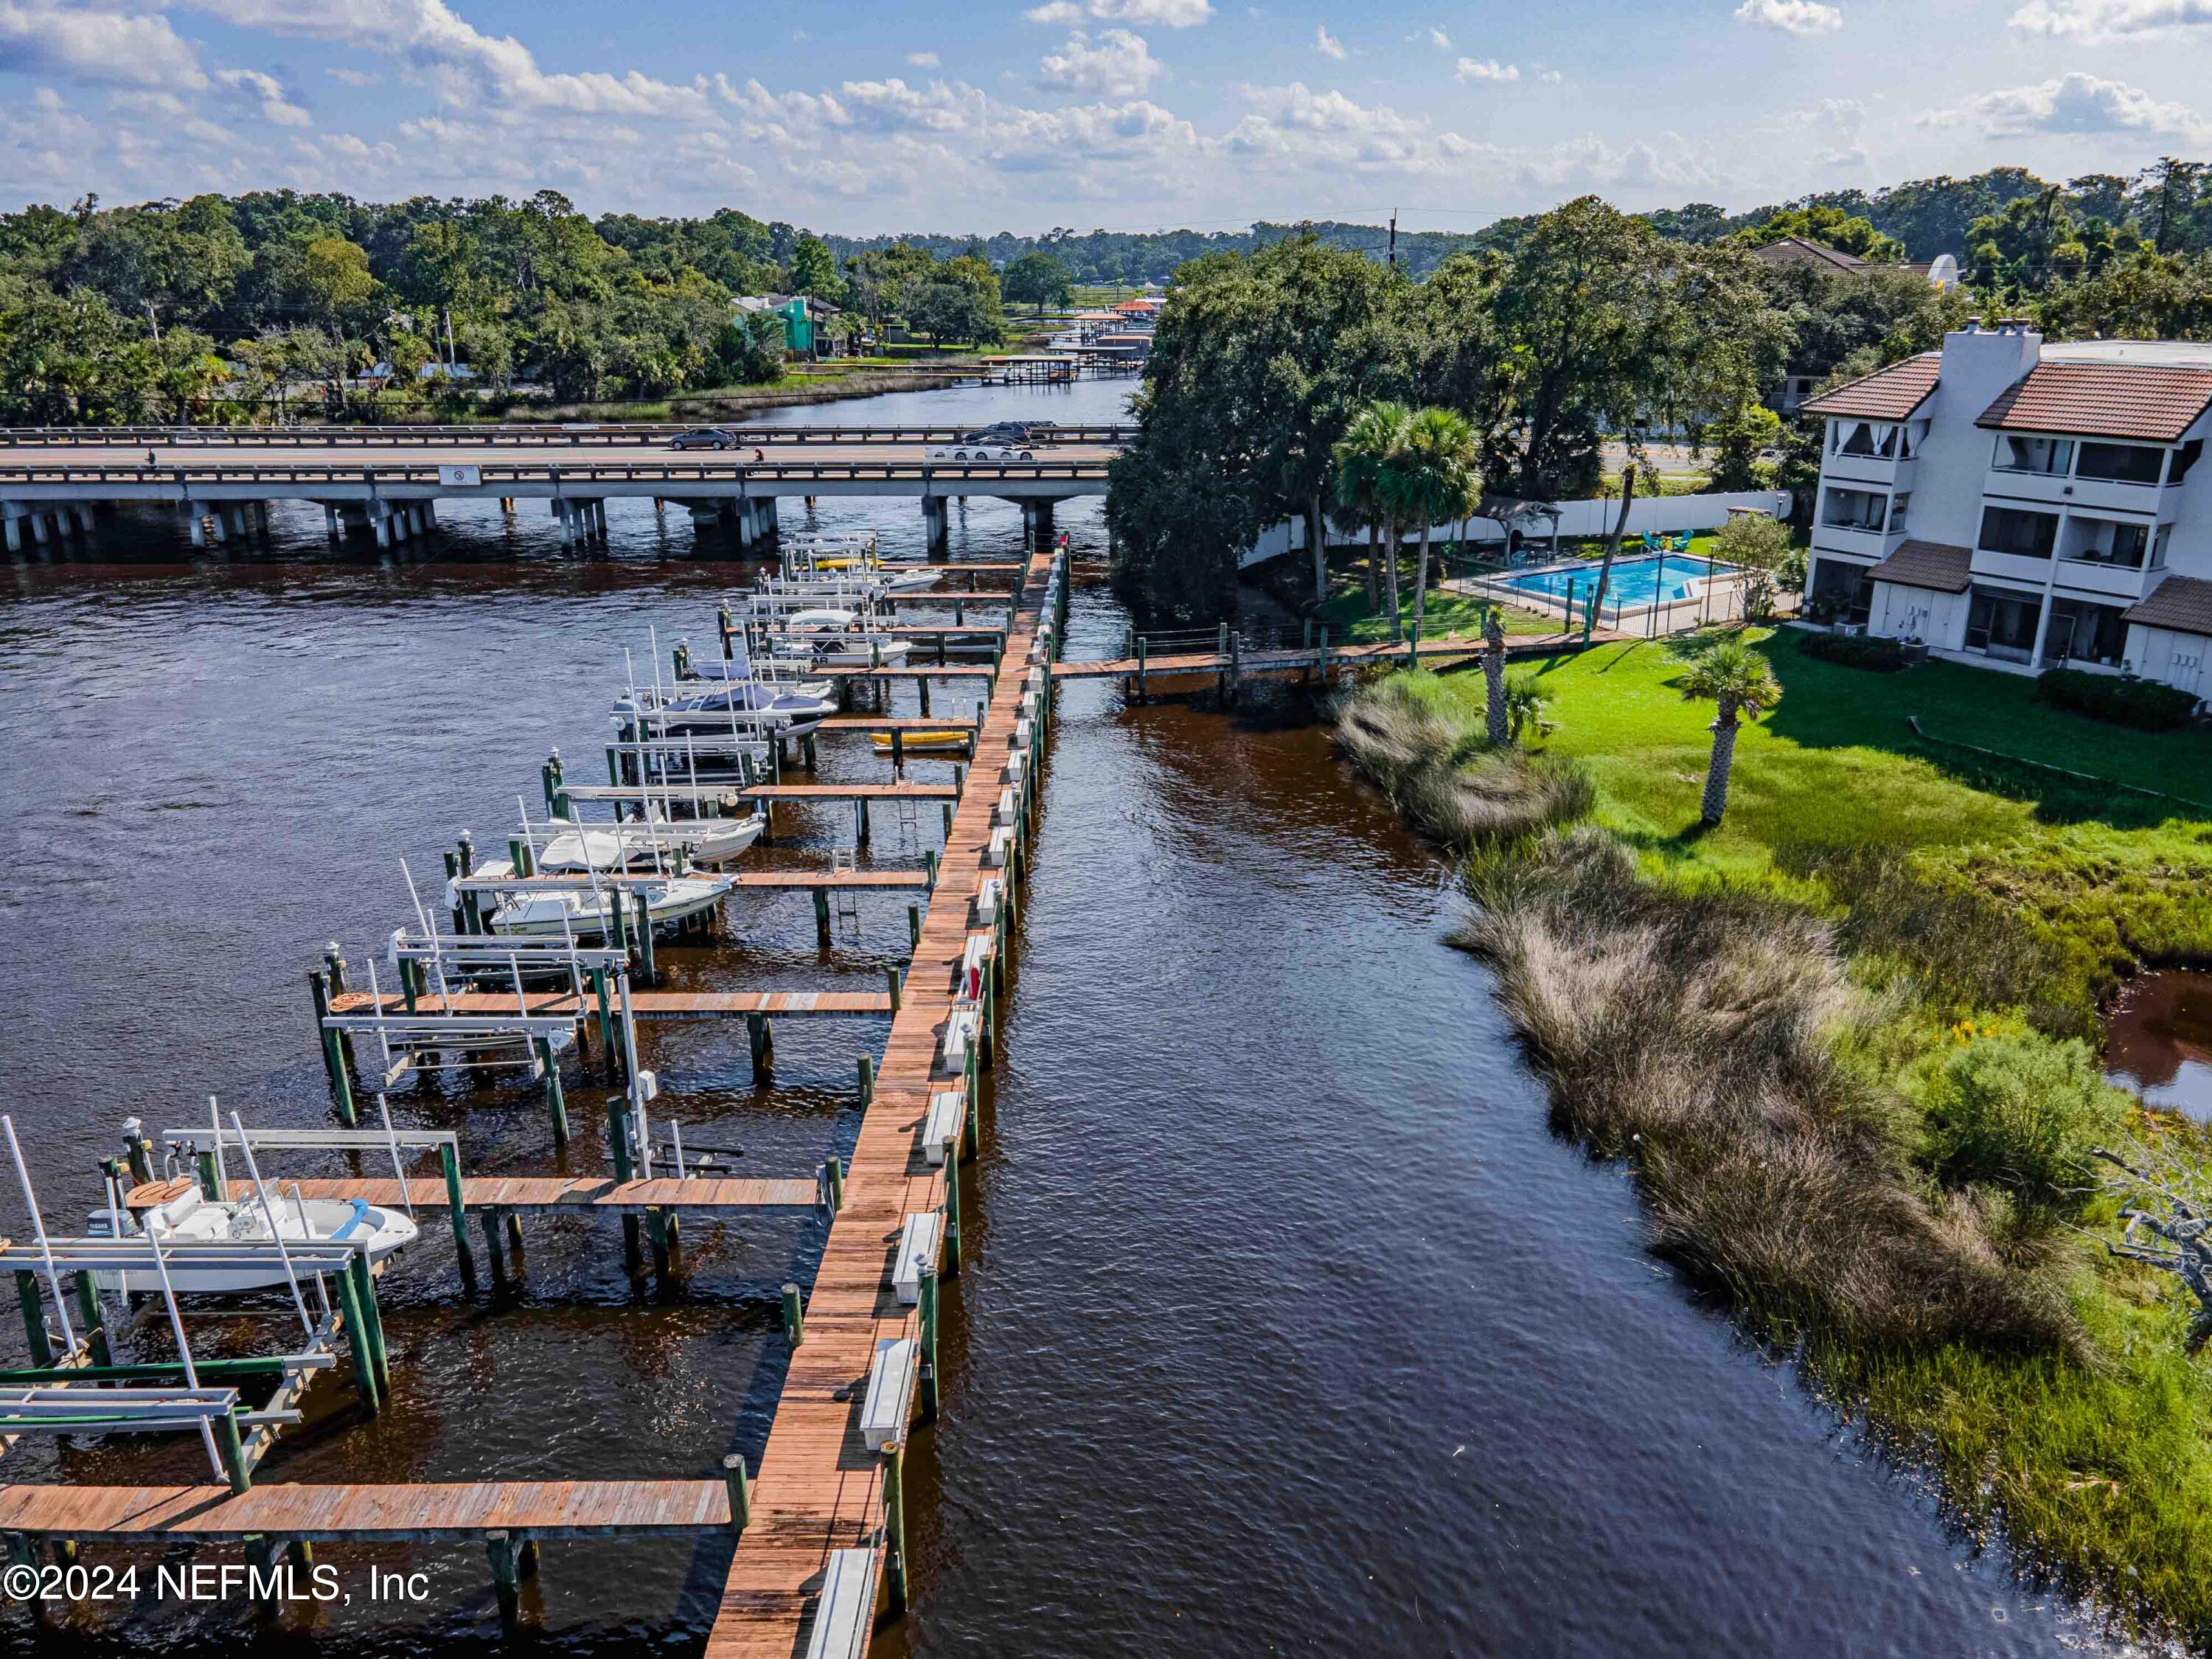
point(379, 516)
point(260, 519)
point(429, 514)
point(935, 530)
point(1036, 523)
point(561, 511)
point(195, 524)
point(706, 515)
point(333, 527)
point(12, 527)
point(215, 524)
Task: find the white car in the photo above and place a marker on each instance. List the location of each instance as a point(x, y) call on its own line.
point(979, 453)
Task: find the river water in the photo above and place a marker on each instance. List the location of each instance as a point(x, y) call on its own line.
point(1288, 1327)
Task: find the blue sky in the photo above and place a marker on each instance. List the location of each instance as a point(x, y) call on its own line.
point(952, 115)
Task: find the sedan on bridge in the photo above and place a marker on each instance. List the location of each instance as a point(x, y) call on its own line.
point(1013, 432)
point(705, 437)
point(982, 452)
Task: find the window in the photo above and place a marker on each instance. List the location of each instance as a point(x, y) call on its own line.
point(2158, 546)
point(2082, 632)
point(2103, 542)
point(2027, 535)
point(1854, 509)
point(2183, 459)
point(1863, 437)
point(1898, 503)
point(1841, 591)
point(2122, 463)
point(2003, 625)
point(2046, 455)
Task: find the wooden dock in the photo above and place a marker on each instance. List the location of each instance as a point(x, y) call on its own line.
point(645, 1005)
point(568, 1195)
point(541, 1509)
point(819, 1488)
point(1379, 653)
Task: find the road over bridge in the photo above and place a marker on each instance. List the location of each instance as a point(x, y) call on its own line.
point(388, 483)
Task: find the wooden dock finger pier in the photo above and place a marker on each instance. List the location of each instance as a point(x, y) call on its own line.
point(820, 1524)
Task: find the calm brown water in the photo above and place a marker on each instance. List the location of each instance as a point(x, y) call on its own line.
point(2158, 1040)
point(1289, 1327)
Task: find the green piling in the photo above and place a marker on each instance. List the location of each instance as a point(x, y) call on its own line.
point(867, 1080)
point(835, 1168)
point(894, 1528)
point(364, 1362)
point(760, 1036)
point(822, 916)
point(913, 926)
point(334, 1056)
point(234, 1451)
point(740, 1483)
point(644, 937)
point(373, 1318)
point(506, 1580)
point(894, 981)
point(35, 1318)
point(554, 1101)
point(449, 1165)
point(794, 1315)
point(928, 1369)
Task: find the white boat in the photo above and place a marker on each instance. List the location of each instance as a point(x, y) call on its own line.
point(782, 677)
point(191, 1218)
point(584, 914)
point(841, 639)
point(712, 708)
point(574, 848)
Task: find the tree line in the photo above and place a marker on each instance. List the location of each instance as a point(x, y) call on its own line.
point(275, 302)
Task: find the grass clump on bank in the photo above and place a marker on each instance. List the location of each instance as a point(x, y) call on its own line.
point(1841, 1037)
point(1446, 781)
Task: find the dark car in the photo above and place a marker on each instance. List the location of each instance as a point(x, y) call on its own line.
point(1012, 432)
point(706, 437)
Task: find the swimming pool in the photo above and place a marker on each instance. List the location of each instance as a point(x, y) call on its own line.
point(1647, 579)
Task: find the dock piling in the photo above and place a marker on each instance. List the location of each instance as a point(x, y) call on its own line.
point(740, 1483)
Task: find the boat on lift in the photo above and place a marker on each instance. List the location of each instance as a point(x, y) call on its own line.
point(836, 638)
point(190, 1217)
point(711, 708)
point(585, 913)
point(572, 847)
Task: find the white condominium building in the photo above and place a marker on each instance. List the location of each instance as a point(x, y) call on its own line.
point(2024, 506)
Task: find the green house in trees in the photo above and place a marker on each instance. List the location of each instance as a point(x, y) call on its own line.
point(798, 326)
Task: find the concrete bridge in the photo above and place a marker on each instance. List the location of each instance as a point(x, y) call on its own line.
point(387, 482)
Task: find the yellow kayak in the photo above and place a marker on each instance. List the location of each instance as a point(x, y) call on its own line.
point(911, 742)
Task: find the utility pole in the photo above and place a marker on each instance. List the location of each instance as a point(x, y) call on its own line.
point(1391, 256)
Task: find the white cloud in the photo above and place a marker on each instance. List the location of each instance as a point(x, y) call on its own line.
point(1550, 77)
point(1439, 40)
point(922, 60)
point(1119, 65)
point(2105, 20)
point(105, 48)
point(2073, 103)
point(1327, 44)
point(1487, 69)
point(351, 78)
point(1159, 14)
point(464, 65)
point(276, 108)
point(1802, 17)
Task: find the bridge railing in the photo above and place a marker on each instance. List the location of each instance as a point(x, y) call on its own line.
point(488, 474)
point(521, 434)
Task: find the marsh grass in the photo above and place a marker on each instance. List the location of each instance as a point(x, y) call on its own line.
point(1838, 1041)
point(1447, 780)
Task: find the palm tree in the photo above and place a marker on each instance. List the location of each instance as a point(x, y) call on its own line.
point(1738, 680)
point(1525, 703)
point(1493, 676)
point(1434, 476)
point(1363, 457)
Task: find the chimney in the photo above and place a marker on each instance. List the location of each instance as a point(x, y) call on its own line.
point(1979, 363)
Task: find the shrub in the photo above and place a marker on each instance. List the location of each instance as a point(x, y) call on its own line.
point(1444, 777)
point(1854, 651)
point(2144, 704)
point(2018, 1112)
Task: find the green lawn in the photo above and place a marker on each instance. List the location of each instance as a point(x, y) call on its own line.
point(1349, 618)
point(2115, 877)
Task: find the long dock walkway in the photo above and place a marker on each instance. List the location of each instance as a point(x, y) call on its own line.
point(1327, 659)
point(819, 1487)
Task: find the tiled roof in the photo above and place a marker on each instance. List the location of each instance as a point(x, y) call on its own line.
point(2182, 604)
point(2103, 400)
point(1798, 251)
point(1936, 566)
point(1887, 394)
